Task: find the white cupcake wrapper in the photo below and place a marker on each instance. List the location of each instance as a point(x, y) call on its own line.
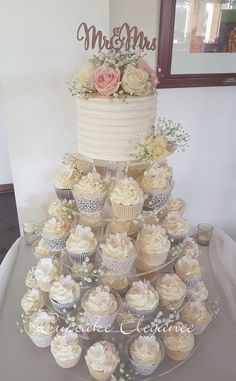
point(158, 199)
point(93, 205)
point(78, 259)
point(42, 341)
point(177, 238)
point(143, 370)
point(62, 308)
point(192, 283)
point(143, 313)
point(56, 244)
point(121, 266)
point(64, 194)
point(127, 212)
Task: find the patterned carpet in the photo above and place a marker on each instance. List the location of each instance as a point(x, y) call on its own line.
point(9, 226)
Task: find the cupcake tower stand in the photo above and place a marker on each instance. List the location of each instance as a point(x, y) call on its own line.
point(101, 226)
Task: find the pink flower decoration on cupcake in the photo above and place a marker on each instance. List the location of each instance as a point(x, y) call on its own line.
point(106, 80)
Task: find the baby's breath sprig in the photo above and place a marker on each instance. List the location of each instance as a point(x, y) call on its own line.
point(120, 58)
point(173, 132)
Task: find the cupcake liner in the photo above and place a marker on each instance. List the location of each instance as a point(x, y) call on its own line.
point(172, 305)
point(143, 370)
point(127, 212)
point(42, 341)
point(177, 355)
point(67, 363)
point(191, 283)
point(157, 199)
point(62, 308)
point(89, 204)
point(154, 259)
point(64, 194)
point(146, 314)
point(177, 238)
point(100, 376)
point(118, 266)
point(79, 258)
point(56, 244)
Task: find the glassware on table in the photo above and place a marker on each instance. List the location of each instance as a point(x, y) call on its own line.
point(204, 232)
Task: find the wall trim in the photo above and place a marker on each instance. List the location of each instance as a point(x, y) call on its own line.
point(6, 188)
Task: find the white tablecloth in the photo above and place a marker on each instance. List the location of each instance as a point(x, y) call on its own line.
point(214, 360)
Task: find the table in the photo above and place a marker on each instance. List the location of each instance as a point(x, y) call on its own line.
point(21, 360)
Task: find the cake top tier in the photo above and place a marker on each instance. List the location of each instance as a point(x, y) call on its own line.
point(113, 74)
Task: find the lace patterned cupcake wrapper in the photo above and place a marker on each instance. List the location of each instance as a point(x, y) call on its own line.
point(90, 206)
point(146, 314)
point(64, 194)
point(177, 238)
point(62, 308)
point(100, 376)
point(56, 244)
point(78, 259)
point(191, 283)
point(157, 200)
point(143, 370)
point(122, 266)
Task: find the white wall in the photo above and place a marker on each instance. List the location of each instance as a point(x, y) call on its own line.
point(40, 52)
point(5, 167)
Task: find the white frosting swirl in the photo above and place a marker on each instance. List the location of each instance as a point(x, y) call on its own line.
point(195, 312)
point(188, 268)
point(32, 301)
point(65, 346)
point(199, 291)
point(66, 178)
point(42, 323)
point(41, 250)
point(179, 338)
point(142, 296)
point(64, 290)
point(118, 246)
point(175, 225)
point(155, 178)
point(47, 270)
point(175, 205)
point(100, 301)
point(91, 183)
point(189, 247)
point(56, 227)
point(102, 357)
point(171, 287)
point(153, 240)
point(126, 192)
point(81, 241)
point(146, 350)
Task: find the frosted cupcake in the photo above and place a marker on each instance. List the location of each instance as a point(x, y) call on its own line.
point(81, 244)
point(142, 299)
point(118, 253)
point(153, 245)
point(189, 247)
point(66, 348)
point(64, 182)
point(157, 185)
point(126, 198)
point(41, 250)
point(33, 300)
point(41, 327)
point(176, 226)
point(145, 354)
point(46, 271)
point(117, 283)
point(178, 341)
point(55, 232)
point(176, 205)
point(30, 280)
point(64, 293)
point(197, 314)
point(102, 359)
point(90, 193)
point(198, 292)
point(101, 306)
point(171, 290)
point(189, 270)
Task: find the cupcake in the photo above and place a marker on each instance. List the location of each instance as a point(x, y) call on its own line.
point(176, 205)
point(90, 193)
point(66, 348)
point(41, 250)
point(153, 245)
point(119, 284)
point(81, 244)
point(65, 209)
point(41, 327)
point(198, 292)
point(142, 299)
point(46, 271)
point(101, 306)
point(33, 300)
point(118, 253)
point(64, 182)
point(178, 341)
point(171, 290)
point(30, 280)
point(64, 293)
point(83, 327)
point(176, 226)
point(157, 185)
point(189, 270)
point(102, 359)
point(55, 232)
point(126, 199)
point(145, 354)
point(189, 247)
point(197, 314)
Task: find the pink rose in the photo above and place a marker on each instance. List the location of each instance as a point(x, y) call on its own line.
point(143, 65)
point(106, 80)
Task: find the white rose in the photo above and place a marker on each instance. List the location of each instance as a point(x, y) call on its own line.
point(135, 82)
point(85, 75)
